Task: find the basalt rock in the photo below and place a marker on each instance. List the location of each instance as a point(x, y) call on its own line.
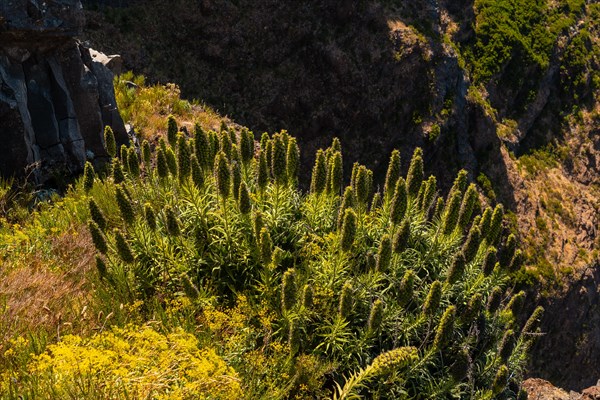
point(56, 95)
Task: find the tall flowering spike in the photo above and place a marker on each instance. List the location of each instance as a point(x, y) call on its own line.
point(162, 144)
point(369, 185)
point(347, 202)
point(246, 146)
point(161, 164)
point(345, 306)
point(189, 288)
point(485, 223)
point(263, 171)
point(244, 199)
point(269, 154)
point(266, 245)
point(172, 130)
point(401, 237)
point(183, 158)
point(288, 290)
point(392, 176)
point(399, 202)
point(146, 153)
point(109, 141)
point(124, 153)
point(197, 175)
point(171, 161)
point(500, 380)
point(471, 245)
point(473, 308)
point(421, 195)
point(203, 147)
point(98, 238)
point(355, 168)
point(307, 296)
point(101, 267)
point(516, 303)
point(406, 289)
point(415, 173)
point(430, 192)
point(384, 255)
point(460, 183)
point(264, 139)
point(257, 224)
point(125, 207)
point(236, 179)
point(278, 166)
point(489, 262)
point(371, 262)
point(123, 249)
point(496, 224)
point(375, 317)
point(460, 368)
point(133, 162)
point(534, 320)
point(225, 143)
point(97, 215)
point(117, 172)
point(394, 360)
point(88, 176)
point(494, 300)
point(457, 269)
point(232, 136)
point(443, 333)
point(213, 138)
point(319, 174)
point(172, 222)
point(375, 202)
point(348, 229)
point(292, 160)
point(451, 214)
point(467, 207)
point(508, 252)
point(432, 301)
point(336, 145)
point(361, 185)
point(149, 216)
point(335, 173)
point(222, 175)
point(506, 346)
point(439, 208)
point(517, 261)
point(294, 338)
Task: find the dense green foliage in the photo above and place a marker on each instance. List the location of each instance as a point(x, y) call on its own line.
point(312, 295)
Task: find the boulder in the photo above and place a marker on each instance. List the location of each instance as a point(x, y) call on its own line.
point(56, 94)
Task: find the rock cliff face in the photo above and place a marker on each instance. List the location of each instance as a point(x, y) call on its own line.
point(56, 95)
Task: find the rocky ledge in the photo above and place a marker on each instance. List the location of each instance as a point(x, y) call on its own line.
point(539, 389)
point(56, 94)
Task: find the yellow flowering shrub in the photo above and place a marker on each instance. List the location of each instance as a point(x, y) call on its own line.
point(132, 362)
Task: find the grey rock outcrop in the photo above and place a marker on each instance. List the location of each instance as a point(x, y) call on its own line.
point(56, 95)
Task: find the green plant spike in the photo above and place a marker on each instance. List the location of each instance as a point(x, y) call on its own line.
point(439, 208)
point(172, 130)
point(171, 161)
point(266, 245)
point(257, 224)
point(406, 289)
point(430, 193)
point(451, 214)
point(335, 173)
point(432, 301)
point(473, 309)
point(468, 206)
point(500, 380)
point(264, 139)
point(247, 146)
point(457, 269)
point(494, 300)
point(508, 251)
point(123, 249)
point(485, 223)
point(124, 204)
point(88, 176)
point(445, 328)
point(461, 367)
point(402, 237)
point(244, 202)
point(222, 175)
point(517, 261)
point(415, 173)
point(149, 216)
point(307, 297)
point(173, 228)
point(184, 163)
point(392, 175)
point(496, 224)
point(361, 188)
point(189, 288)
point(507, 344)
point(292, 161)
point(348, 229)
point(384, 255)
point(346, 301)
point(399, 202)
point(146, 153)
point(319, 174)
point(133, 163)
point(197, 175)
point(471, 245)
point(347, 202)
point(161, 164)
point(124, 153)
point(263, 172)
point(110, 143)
point(97, 215)
point(278, 166)
point(533, 321)
point(213, 138)
point(355, 168)
point(101, 267)
point(489, 262)
point(288, 290)
point(203, 148)
point(515, 305)
point(376, 202)
point(98, 237)
point(375, 317)
point(460, 183)
point(269, 155)
point(236, 179)
point(421, 195)
point(336, 145)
